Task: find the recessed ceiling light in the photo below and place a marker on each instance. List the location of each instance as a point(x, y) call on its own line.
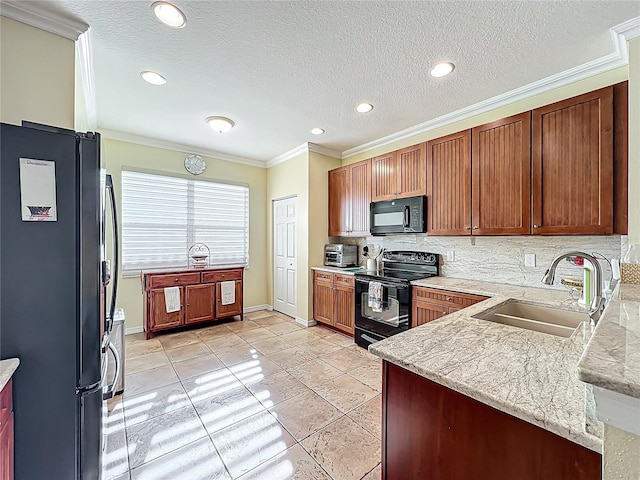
point(153, 78)
point(364, 107)
point(220, 124)
point(317, 131)
point(442, 69)
point(169, 14)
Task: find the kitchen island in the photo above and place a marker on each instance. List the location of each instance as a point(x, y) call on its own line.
point(468, 398)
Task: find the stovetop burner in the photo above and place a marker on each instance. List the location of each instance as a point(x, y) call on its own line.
point(404, 267)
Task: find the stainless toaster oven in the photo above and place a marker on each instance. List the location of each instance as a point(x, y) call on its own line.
point(340, 255)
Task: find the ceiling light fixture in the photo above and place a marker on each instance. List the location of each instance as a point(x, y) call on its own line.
point(169, 14)
point(153, 78)
point(364, 107)
point(317, 131)
point(442, 69)
point(220, 124)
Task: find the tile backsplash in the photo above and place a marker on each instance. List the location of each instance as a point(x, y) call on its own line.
point(499, 259)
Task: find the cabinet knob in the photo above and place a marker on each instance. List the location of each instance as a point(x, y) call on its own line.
point(445, 313)
point(467, 228)
point(448, 299)
point(475, 227)
point(176, 279)
point(535, 226)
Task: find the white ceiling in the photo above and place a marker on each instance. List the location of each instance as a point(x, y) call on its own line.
point(280, 68)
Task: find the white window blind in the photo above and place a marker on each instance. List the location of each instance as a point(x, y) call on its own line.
point(163, 216)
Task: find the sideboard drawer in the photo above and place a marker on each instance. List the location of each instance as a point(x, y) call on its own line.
point(221, 276)
point(159, 281)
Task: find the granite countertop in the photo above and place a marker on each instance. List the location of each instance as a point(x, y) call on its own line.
point(612, 357)
point(7, 368)
point(527, 374)
point(342, 270)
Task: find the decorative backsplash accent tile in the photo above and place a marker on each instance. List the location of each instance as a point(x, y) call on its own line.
point(630, 273)
point(499, 259)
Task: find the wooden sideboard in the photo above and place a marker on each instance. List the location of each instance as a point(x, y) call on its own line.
point(200, 297)
point(6, 433)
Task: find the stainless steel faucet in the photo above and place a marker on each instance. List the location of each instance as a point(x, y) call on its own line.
point(598, 303)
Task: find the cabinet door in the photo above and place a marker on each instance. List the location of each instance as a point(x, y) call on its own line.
point(423, 312)
point(449, 185)
point(7, 449)
point(159, 318)
point(412, 171)
point(344, 311)
point(384, 175)
point(360, 193)
point(572, 159)
point(339, 205)
point(501, 168)
point(323, 302)
point(232, 309)
point(200, 303)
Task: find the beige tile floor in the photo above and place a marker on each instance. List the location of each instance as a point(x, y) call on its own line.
point(262, 399)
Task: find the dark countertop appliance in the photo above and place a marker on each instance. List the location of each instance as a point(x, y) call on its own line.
point(391, 313)
point(403, 215)
point(55, 314)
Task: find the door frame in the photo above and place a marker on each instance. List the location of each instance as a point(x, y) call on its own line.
point(273, 249)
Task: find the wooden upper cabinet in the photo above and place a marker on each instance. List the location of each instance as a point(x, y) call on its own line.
point(339, 204)
point(412, 171)
point(449, 184)
point(359, 198)
point(501, 170)
point(384, 174)
point(572, 159)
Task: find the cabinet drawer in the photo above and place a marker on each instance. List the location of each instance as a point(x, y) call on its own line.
point(445, 297)
point(346, 280)
point(159, 281)
point(6, 405)
point(221, 276)
point(322, 276)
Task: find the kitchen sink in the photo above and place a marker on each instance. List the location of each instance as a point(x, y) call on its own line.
point(553, 321)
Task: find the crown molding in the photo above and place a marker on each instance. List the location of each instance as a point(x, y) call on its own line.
point(294, 152)
point(84, 54)
point(329, 152)
point(37, 15)
point(620, 34)
point(177, 147)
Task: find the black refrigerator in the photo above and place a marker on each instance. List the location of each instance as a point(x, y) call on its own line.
point(54, 312)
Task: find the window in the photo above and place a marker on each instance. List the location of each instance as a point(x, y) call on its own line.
point(163, 216)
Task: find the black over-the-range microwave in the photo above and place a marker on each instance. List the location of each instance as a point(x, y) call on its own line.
point(404, 215)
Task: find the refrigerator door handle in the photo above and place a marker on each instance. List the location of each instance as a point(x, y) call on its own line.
point(116, 252)
point(96, 386)
point(109, 390)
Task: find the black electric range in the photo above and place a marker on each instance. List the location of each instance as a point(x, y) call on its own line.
point(379, 317)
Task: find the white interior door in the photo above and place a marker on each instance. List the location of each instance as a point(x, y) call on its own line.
point(284, 256)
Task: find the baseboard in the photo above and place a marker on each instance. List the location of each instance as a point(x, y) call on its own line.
point(257, 308)
point(306, 323)
point(133, 330)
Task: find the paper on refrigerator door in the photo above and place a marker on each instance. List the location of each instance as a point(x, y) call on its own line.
point(172, 299)
point(228, 292)
point(38, 190)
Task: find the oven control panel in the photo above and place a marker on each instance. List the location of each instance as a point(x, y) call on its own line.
point(403, 256)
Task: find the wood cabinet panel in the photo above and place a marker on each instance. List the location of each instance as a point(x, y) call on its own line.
point(572, 158)
point(174, 280)
point(501, 172)
point(449, 184)
point(346, 280)
point(222, 276)
point(322, 276)
point(7, 448)
point(384, 175)
point(200, 301)
point(360, 198)
point(445, 297)
point(621, 158)
point(158, 316)
point(223, 311)
point(344, 313)
point(323, 302)
point(424, 312)
point(339, 202)
point(412, 171)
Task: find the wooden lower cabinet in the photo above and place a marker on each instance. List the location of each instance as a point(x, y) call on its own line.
point(6, 433)
point(428, 304)
point(432, 432)
point(200, 297)
point(334, 300)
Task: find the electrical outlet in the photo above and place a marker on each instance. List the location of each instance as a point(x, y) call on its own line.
point(451, 256)
point(529, 259)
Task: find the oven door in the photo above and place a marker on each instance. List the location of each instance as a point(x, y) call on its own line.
point(333, 259)
point(394, 315)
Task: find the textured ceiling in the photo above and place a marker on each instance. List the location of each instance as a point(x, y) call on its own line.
point(280, 68)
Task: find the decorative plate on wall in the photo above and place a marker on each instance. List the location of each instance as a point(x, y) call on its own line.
point(195, 164)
